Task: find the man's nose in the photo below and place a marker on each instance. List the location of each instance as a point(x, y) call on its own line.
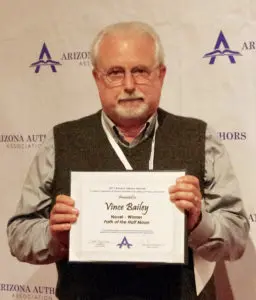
point(129, 83)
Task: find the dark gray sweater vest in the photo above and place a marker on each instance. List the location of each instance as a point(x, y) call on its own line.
point(82, 145)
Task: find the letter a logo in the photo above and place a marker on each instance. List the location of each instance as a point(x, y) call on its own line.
point(225, 52)
point(124, 242)
point(47, 62)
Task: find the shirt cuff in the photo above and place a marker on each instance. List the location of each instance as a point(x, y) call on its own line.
point(56, 249)
point(202, 232)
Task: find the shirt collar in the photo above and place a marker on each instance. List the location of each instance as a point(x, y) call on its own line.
point(144, 134)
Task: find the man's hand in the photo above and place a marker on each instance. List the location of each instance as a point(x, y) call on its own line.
point(187, 197)
point(63, 214)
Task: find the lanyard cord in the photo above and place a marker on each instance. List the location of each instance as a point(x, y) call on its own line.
point(119, 151)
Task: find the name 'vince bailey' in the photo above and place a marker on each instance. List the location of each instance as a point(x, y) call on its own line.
point(129, 206)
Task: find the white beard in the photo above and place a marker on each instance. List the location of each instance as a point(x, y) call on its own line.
point(131, 106)
point(132, 111)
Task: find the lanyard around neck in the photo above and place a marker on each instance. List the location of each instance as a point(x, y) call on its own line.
point(119, 151)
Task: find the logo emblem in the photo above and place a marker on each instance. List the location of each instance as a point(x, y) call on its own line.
point(47, 62)
point(226, 52)
point(124, 242)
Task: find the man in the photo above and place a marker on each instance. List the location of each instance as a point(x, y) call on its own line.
point(131, 132)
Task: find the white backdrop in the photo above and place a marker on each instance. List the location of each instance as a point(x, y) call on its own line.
point(223, 94)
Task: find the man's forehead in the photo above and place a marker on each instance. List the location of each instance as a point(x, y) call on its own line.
point(126, 46)
point(126, 38)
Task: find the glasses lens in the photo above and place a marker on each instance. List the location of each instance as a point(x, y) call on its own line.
point(115, 76)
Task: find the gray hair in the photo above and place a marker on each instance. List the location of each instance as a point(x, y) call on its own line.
point(136, 27)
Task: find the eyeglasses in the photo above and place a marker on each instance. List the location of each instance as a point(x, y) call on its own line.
point(115, 76)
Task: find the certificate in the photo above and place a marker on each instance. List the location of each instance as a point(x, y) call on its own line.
point(126, 217)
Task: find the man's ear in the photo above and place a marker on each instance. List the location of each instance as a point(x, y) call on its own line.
point(162, 72)
point(96, 77)
point(95, 74)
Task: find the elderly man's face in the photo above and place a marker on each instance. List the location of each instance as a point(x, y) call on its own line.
point(128, 77)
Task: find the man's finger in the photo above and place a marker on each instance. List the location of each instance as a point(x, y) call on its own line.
point(189, 179)
point(60, 208)
point(65, 200)
point(186, 205)
point(62, 219)
point(57, 228)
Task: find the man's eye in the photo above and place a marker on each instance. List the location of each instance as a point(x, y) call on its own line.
point(115, 72)
point(140, 71)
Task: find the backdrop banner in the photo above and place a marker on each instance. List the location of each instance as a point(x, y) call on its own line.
point(210, 50)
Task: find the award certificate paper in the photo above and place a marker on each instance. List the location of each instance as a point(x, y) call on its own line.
point(126, 217)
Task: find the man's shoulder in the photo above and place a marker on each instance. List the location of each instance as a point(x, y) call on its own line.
point(167, 117)
point(84, 122)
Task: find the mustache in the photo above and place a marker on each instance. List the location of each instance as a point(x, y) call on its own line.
point(130, 96)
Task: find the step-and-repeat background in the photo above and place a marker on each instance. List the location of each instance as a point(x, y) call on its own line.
point(210, 51)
